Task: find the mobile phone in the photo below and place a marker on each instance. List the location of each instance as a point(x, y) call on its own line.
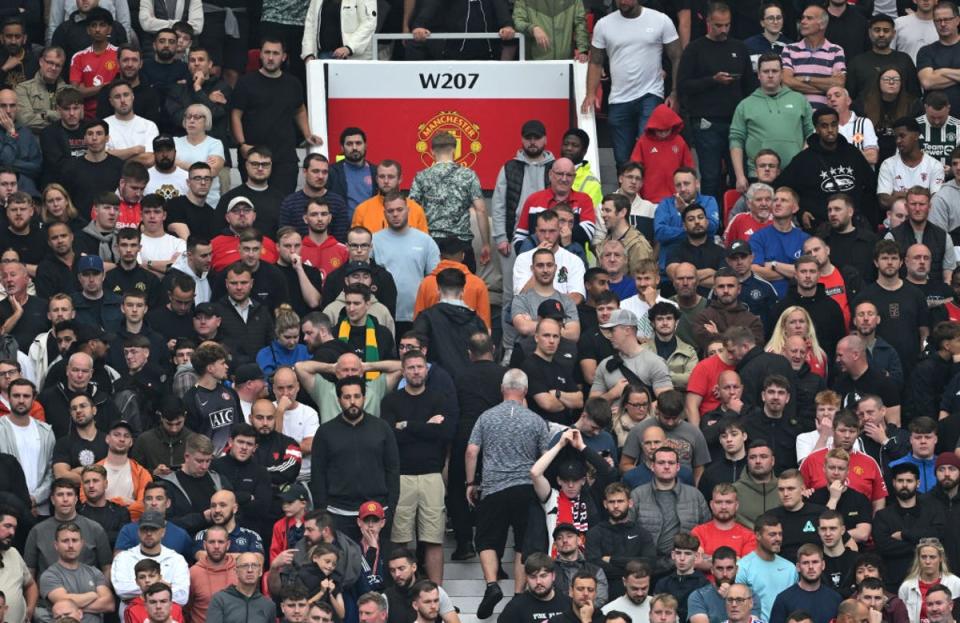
point(735, 75)
point(605, 453)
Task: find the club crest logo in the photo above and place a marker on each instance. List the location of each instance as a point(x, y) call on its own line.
point(465, 131)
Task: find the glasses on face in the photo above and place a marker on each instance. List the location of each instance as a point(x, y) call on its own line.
point(195, 117)
point(565, 176)
point(638, 405)
point(773, 18)
point(736, 600)
point(260, 165)
point(203, 179)
point(359, 245)
point(890, 80)
point(8, 373)
point(943, 20)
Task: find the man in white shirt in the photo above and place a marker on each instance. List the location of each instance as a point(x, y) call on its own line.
point(295, 419)
point(158, 249)
point(30, 441)
point(131, 136)
point(908, 167)
point(173, 567)
point(569, 268)
point(166, 178)
point(915, 30)
point(858, 131)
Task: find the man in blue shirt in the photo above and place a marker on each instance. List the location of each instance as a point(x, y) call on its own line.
point(776, 247)
point(706, 604)
point(668, 219)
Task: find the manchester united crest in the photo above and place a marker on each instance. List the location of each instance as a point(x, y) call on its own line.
point(465, 131)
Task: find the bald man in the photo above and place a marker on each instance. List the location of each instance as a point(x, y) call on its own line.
point(853, 611)
point(223, 512)
point(324, 393)
point(636, 473)
point(739, 602)
point(294, 419)
point(243, 601)
point(858, 378)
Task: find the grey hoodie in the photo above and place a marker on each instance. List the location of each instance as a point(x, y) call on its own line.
point(942, 211)
point(532, 182)
point(231, 606)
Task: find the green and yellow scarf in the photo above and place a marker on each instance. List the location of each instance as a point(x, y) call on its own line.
point(371, 349)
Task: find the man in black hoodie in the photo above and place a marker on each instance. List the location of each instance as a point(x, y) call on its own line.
point(811, 295)
point(830, 165)
point(450, 323)
point(614, 543)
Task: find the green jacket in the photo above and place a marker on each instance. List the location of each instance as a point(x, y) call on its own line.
point(564, 21)
point(36, 105)
point(681, 363)
point(779, 122)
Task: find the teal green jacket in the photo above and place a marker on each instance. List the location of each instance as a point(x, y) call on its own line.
point(564, 21)
point(780, 122)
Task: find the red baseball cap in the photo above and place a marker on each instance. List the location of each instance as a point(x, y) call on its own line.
point(371, 509)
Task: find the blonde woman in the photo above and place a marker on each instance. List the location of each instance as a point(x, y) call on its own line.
point(198, 146)
point(929, 568)
point(796, 321)
point(57, 207)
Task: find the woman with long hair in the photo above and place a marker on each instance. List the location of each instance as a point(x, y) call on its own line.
point(796, 321)
point(885, 102)
point(635, 405)
point(929, 567)
point(56, 206)
point(285, 349)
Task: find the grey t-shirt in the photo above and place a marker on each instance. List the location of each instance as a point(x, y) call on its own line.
point(84, 579)
point(685, 438)
point(39, 553)
point(650, 368)
point(511, 438)
point(527, 303)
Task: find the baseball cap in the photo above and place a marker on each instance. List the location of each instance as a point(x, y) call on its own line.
point(571, 470)
point(152, 519)
point(564, 527)
point(534, 128)
point(356, 267)
point(90, 262)
point(247, 372)
point(292, 493)
point(370, 509)
point(88, 332)
point(620, 318)
point(551, 308)
point(206, 309)
point(739, 247)
point(163, 141)
point(122, 424)
point(239, 201)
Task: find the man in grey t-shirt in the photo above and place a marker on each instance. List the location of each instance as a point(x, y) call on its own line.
point(512, 438)
point(68, 578)
point(682, 436)
point(645, 366)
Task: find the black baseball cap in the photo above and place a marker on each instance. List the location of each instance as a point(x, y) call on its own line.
point(739, 247)
point(534, 128)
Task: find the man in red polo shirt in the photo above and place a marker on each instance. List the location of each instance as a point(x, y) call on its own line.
point(560, 190)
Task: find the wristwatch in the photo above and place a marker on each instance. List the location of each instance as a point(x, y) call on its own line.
point(773, 265)
point(556, 393)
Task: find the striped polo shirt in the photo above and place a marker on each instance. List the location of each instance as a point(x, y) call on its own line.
point(821, 62)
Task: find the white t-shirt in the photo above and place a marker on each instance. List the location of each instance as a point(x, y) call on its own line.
point(635, 49)
point(895, 176)
point(301, 423)
point(912, 34)
point(640, 309)
point(199, 153)
point(569, 277)
point(167, 185)
point(119, 481)
point(160, 249)
point(126, 134)
point(28, 447)
point(868, 134)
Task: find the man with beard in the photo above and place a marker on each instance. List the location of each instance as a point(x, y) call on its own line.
point(19, 589)
point(403, 570)
point(84, 445)
point(541, 601)
point(249, 476)
point(130, 134)
point(110, 515)
point(917, 229)
point(696, 248)
point(62, 140)
point(583, 595)
point(163, 71)
point(353, 176)
point(725, 311)
point(880, 353)
point(370, 213)
point(194, 264)
point(763, 570)
point(280, 454)
point(223, 513)
point(423, 427)
point(316, 171)
point(30, 441)
point(756, 293)
point(264, 103)
point(258, 166)
point(858, 378)
point(850, 244)
point(810, 592)
point(211, 573)
point(354, 459)
point(166, 178)
point(360, 248)
point(320, 249)
point(173, 566)
point(571, 562)
point(68, 577)
point(810, 295)
point(901, 525)
point(892, 44)
point(211, 406)
point(948, 480)
point(614, 544)
point(636, 584)
point(190, 213)
point(145, 100)
point(318, 527)
point(706, 604)
point(723, 530)
point(840, 284)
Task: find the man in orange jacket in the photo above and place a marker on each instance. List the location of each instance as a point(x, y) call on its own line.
point(475, 294)
point(126, 479)
point(370, 214)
